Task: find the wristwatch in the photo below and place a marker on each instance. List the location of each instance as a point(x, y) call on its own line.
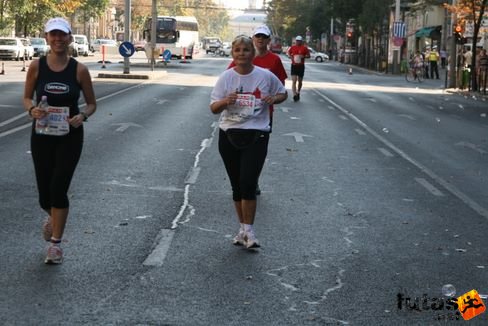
point(85, 116)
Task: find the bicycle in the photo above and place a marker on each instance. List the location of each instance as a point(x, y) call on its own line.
point(414, 73)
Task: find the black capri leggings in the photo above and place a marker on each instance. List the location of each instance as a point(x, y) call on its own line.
point(243, 166)
point(55, 159)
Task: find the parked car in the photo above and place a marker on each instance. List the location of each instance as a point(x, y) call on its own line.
point(81, 44)
point(98, 43)
point(73, 49)
point(225, 49)
point(11, 48)
point(275, 45)
point(40, 46)
point(211, 44)
point(139, 45)
point(317, 56)
point(28, 49)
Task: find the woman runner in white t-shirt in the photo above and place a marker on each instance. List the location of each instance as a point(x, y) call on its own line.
point(242, 96)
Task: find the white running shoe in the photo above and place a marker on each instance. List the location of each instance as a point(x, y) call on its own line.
point(250, 240)
point(54, 255)
point(239, 239)
point(47, 229)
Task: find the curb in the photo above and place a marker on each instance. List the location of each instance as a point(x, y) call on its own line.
point(122, 76)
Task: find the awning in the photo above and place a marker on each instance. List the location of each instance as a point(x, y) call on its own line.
point(430, 32)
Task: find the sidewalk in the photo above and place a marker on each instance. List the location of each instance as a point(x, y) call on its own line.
point(475, 95)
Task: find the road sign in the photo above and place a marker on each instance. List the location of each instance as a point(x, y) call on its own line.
point(126, 49)
point(167, 55)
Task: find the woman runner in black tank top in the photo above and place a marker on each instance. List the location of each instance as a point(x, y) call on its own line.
point(55, 157)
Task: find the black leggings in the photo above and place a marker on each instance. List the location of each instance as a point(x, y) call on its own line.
point(55, 159)
point(243, 166)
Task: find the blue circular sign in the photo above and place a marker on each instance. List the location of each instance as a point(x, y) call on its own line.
point(167, 55)
point(126, 49)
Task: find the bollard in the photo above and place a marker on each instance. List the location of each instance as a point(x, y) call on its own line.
point(103, 56)
point(350, 71)
point(184, 56)
point(23, 65)
point(3, 69)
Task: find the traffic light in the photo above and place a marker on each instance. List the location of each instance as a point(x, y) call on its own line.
point(458, 34)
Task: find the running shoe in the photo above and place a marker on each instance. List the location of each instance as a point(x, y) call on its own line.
point(250, 240)
point(54, 255)
point(47, 229)
point(295, 98)
point(239, 239)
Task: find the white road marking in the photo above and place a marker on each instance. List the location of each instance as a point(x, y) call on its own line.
point(17, 117)
point(448, 186)
point(385, 152)
point(360, 132)
point(407, 116)
point(471, 146)
point(427, 185)
point(157, 256)
point(125, 125)
point(27, 125)
point(298, 136)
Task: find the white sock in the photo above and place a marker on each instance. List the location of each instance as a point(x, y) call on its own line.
point(242, 227)
point(247, 227)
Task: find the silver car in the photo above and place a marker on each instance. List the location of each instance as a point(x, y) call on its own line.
point(40, 46)
point(318, 56)
point(28, 49)
point(11, 48)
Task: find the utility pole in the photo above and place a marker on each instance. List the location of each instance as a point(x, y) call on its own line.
point(154, 15)
point(127, 26)
point(396, 53)
point(453, 52)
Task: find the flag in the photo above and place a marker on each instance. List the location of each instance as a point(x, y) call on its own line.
point(399, 29)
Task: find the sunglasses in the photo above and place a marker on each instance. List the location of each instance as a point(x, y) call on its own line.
point(261, 36)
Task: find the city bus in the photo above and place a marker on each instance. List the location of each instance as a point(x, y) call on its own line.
point(178, 34)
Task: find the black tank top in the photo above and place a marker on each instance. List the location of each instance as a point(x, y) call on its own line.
point(61, 88)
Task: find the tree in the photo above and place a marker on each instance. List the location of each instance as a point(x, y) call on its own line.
point(470, 11)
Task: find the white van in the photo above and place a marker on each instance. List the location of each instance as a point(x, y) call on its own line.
point(81, 43)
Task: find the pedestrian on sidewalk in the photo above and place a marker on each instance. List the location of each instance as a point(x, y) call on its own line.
point(443, 55)
point(425, 56)
point(483, 71)
point(459, 68)
point(242, 96)
point(55, 157)
point(433, 60)
point(298, 53)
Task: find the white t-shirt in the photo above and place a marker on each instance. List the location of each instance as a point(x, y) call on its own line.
point(250, 112)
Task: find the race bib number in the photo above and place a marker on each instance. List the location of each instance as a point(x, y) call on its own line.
point(57, 124)
point(297, 58)
point(243, 109)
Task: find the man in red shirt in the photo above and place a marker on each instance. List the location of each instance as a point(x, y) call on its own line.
point(298, 53)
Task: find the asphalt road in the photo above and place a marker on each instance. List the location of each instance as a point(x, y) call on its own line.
point(373, 188)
